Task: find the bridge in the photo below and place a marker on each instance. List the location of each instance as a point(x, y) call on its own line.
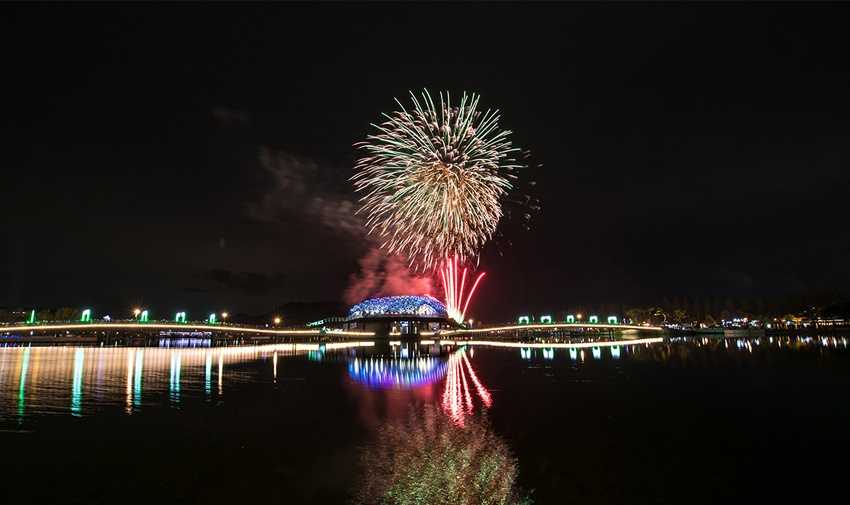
point(59, 331)
point(517, 329)
point(557, 345)
point(47, 329)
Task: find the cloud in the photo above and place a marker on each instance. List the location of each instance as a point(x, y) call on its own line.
point(227, 116)
point(320, 194)
point(307, 190)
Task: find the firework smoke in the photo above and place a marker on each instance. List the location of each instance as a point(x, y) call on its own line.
point(303, 190)
point(382, 275)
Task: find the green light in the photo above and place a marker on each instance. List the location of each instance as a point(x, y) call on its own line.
point(571, 319)
point(143, 317)
point(523, 320)
point(612, 319)
point(593, 319)
point(211, 319)
point(31, 319)
point(25, 365)
point(180, 317)
point(86, 316)
point(545, 319)
point(137, 378)
point(77, 384)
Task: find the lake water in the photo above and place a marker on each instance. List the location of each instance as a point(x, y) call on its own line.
point(699, 421)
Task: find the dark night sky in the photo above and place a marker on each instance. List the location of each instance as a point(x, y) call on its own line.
point(688, 150)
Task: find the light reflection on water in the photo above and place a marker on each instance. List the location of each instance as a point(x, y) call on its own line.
point(391, 372)
point(461, 380)
point(77, 384)
point(420, 419)
point(22, 381)
point(174, 378)
point(83, 380)
point(426, 458)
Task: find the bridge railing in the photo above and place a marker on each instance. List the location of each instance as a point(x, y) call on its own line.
point(154, 325)
point(554, 327)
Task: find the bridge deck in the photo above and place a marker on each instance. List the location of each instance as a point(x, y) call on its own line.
point(220, 328)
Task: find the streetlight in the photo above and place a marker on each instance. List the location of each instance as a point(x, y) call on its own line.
point(277, 320)
point(224, 316)
point(136, 312)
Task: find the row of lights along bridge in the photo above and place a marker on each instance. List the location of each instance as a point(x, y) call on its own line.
point(143, 316)
point(571, 319)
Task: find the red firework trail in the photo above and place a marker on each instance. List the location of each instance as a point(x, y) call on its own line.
point(454, 289)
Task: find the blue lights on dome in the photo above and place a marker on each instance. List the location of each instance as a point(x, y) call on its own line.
point(417, 306)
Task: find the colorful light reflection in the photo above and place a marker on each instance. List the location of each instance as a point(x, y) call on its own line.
point(615, 352)
point(384, 373)
point(137, 378)
point(457, 398)
point(25, 365)
point(174, 378)
point(58, 380)
point(77, 382)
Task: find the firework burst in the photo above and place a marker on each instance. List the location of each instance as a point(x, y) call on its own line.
point(434, 178)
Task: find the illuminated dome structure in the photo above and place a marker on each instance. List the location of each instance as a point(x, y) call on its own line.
point(398, 315)
point(394, 306)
